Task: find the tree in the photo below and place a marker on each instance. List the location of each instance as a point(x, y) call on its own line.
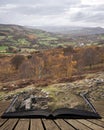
point(70, 66)
point(11, 49)
point(90, 57)
point(38, 64)
point(17, 60)
point(26, 70)
point(67, 51)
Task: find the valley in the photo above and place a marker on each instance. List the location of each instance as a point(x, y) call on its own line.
point(22, 39)
point(56, 66)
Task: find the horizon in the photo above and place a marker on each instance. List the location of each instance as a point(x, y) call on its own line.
point(86, 13)
point(51, 26)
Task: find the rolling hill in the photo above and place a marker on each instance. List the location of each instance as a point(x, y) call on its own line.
point(24, 38)
point(15, 38)
point(74, 31)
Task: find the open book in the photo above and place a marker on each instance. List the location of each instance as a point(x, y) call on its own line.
point(35, 107)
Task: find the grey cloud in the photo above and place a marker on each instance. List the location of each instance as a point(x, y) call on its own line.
point(33, 9)
point(77, 16)
point(99, 8)
point(38, 10)
point(89, 14)
point(42, 11)
point(50, 11)
point(52, 2)
point(96, 18)
point(39, 7)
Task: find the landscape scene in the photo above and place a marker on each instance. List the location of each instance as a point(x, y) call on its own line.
point(55, 63)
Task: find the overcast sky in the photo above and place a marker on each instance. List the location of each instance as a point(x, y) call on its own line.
point(52, 12)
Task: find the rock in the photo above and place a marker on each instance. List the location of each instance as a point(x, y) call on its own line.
point(8, 97)
point(4, 89)
point(12, 85)
point(99, 81)
point(28, 104)
point(44, 107)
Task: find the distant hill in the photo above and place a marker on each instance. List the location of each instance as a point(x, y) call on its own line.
point(17, 29)
point(26, 39)
point(73, 30)
point(21, 36)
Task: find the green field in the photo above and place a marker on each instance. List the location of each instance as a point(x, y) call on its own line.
point(3, 48)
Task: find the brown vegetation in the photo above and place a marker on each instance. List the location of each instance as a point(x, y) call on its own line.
point(52, 64)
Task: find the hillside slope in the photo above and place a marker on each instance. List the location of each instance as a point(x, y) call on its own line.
point(16, 38)
point(20, 36)
point(74, 30)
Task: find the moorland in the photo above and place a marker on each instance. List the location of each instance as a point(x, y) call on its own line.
point(52, 64)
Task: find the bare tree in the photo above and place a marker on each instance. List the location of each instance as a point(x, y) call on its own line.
point(26, 70)
point(17, 60)
point(90, 57)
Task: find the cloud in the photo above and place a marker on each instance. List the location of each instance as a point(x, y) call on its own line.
point(38, 10)
point(92, 2)
point(41, 2)
point(88, 14)
point(52, 12)
point(40, 7)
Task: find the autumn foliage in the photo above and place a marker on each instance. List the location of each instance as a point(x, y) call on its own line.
point(55, 63)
